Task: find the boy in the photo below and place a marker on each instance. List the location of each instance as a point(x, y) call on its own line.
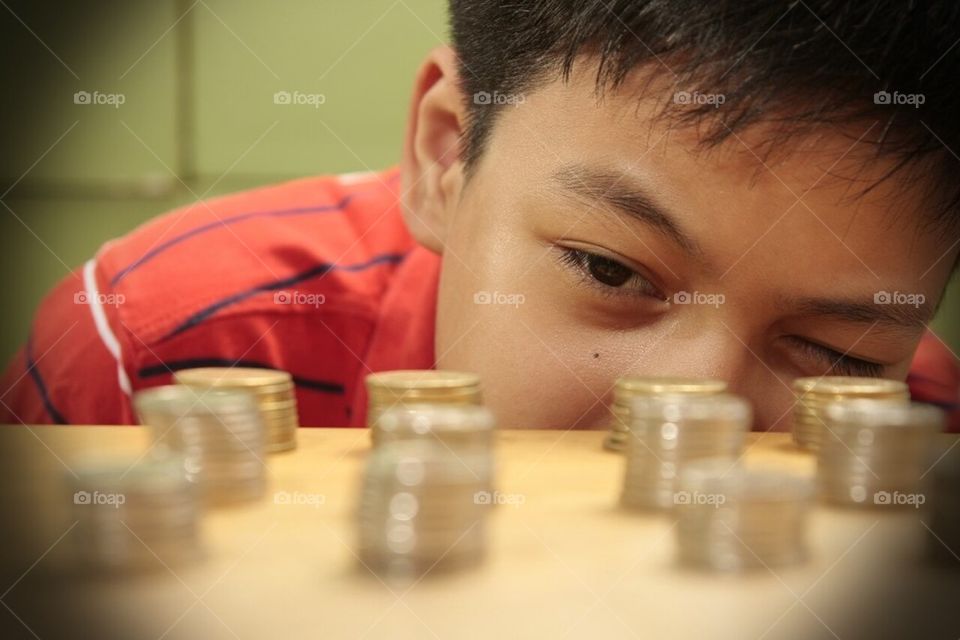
point(746, 190)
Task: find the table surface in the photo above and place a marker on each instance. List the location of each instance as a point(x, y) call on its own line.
point(564, 563)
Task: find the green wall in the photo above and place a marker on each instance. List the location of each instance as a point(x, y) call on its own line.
point(199, 117)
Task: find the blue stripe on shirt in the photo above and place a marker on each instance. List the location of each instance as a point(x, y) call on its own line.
point(160, 248)
point(276, 285)
point(34, 371)
point(322, 386)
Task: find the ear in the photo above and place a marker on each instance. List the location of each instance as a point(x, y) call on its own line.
point(431, 168)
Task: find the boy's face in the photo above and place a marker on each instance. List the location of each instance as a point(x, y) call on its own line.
point(594, 241)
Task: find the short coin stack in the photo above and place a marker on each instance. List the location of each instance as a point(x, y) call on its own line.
point(390, 389)
point(423, 505)
point(220, 434)
point(464, 427)
point(732, 518)
point(133, 515)
point(670, 431)
point(814, 394)
point(272, 389)
point(878, 452)
point(630, 387)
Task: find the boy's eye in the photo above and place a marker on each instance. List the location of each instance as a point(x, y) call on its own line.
point(837, 363)
point(608, 274)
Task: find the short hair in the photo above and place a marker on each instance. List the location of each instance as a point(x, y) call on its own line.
point(797, 64)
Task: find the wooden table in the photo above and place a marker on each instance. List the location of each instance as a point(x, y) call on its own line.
point(564, 563)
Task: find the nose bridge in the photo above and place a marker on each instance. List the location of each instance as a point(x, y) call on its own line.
point(723, 351)
point(714, 351)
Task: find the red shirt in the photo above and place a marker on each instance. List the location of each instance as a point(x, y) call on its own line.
point(318, 277)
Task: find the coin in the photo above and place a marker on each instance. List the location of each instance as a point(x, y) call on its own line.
point(272, 389)
point(389, 389)
point(421, 510)
point(133, 514)
point(873, 452)
point(219, 432)
point(668, 432)
point(815, 393)
point(734, 518)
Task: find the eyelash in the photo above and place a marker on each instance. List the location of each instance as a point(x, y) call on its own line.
point(636, 285)
point(839, 363)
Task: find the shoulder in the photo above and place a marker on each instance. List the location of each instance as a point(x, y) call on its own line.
point(252, 252)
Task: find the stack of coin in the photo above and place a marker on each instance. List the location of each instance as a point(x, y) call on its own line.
point(814, 394)
point(272, 389)
point(389, 389)
point(133, 514)
point(877, 453)
point(943, 537)
point(732, 518)
point(667, 432)
point(464, 429)
point(455, 425)
point(220, 434)
point(630, 387)
point(422, 508)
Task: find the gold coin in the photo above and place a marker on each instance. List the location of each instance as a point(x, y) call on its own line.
point(849, 386)
point(413, 379)
point(816, 393)
point(234, 377)
point(389, 387)
point(636, 385)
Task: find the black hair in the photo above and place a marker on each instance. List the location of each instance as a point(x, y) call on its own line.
point(797, 63)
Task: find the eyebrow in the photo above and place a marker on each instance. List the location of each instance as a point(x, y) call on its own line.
point(621, 192)
point(864, 311)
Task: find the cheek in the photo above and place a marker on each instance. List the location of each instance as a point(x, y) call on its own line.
point(538, 371)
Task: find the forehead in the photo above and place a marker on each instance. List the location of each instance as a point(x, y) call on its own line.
point(795, 206)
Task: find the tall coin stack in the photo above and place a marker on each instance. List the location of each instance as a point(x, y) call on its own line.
point(731, 518)
point(670, 431)
point(390, 389)
point(220, 434)
point(133, 515)
point(878, 452)
point(814, 394)
point(272, 389)
point(630, 387)
point(423, 508)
